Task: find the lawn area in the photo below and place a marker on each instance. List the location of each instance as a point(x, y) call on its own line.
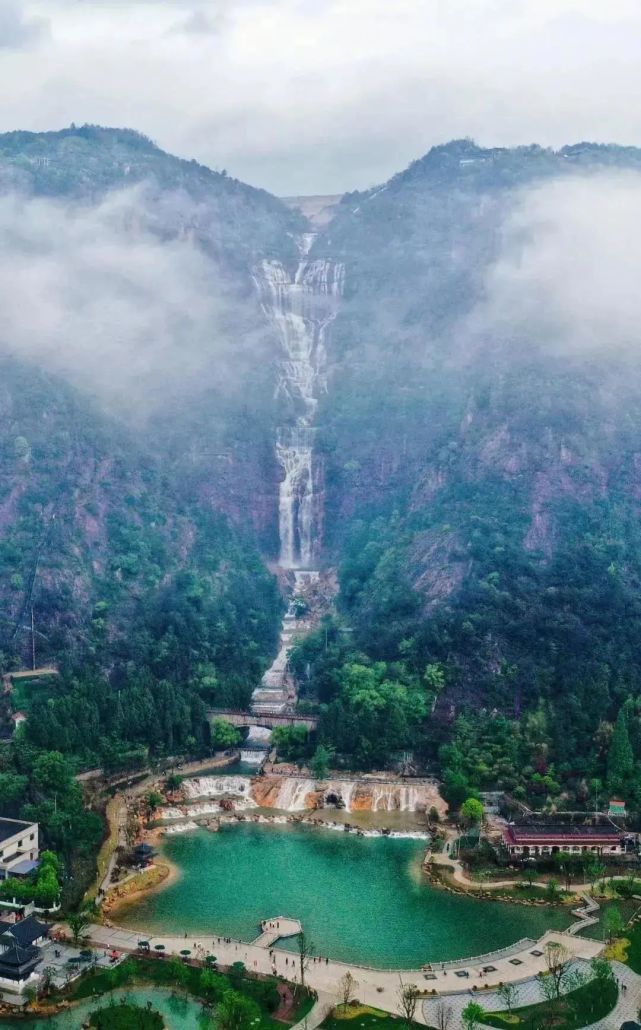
point(109, 845)
point(577, 1009)
point(633, 951)
point(599, 931)
point(362, 1017)
point(163, 973)
point(525, 893)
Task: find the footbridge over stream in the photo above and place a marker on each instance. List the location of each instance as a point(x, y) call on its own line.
point(240, 719)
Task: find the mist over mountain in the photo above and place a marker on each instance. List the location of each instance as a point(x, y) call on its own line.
point(476, 427)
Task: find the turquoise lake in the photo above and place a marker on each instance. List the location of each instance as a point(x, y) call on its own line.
point(361, 899)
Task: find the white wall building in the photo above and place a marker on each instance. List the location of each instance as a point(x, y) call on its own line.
point(19, 848)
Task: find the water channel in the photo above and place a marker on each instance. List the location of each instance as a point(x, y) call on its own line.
point(362, 899)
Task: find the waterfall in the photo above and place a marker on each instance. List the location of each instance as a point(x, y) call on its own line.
point(259, 735)
point(216, 786)
point(389, 798)
point(296, 498)
point(301, 307)
point(293, 794)
point(298, 793)
point(255, 749)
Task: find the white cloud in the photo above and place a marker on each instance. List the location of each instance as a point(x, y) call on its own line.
point(18, 29)
point(303, 96)
point(569, 269)
point(92, 294)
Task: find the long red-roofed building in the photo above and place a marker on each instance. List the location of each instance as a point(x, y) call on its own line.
point(546, 839)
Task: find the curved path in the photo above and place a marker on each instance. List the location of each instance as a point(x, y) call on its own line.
point(529, 993)
point(454, 868)
point(627, 1006)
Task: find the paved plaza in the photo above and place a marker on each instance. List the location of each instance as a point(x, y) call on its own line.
point(376, 987)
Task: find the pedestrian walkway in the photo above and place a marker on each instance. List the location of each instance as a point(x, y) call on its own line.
point(275, 929)
point(322, 1007)
point(627, 1006)
point(528, 992)
point(376, 987)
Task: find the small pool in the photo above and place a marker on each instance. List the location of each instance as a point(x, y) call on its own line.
point(179, 1012)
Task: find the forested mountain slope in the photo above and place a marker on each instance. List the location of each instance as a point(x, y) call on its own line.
point(482, 441)
point(124, 443)
point(478, 444)
point(153, 257)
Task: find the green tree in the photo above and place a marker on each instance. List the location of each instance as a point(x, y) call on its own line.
point(594, 870)
point(455, 788)
point(178, 971)
point(153, 801)
point(236, 1012)
point(473, 1015)
point(620, 755)
point(612, 922)
point(321, 761)
point(602, 970)
point(291, 742)
point(472, 812)
point(30, 995)
point(225, 735)
point(78, 923)
point(566, 864)
point(434, 678)
point(212, 984)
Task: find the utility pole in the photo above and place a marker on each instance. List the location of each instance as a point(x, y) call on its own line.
point(33, 641)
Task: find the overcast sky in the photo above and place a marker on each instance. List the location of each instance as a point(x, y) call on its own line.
point(321, 96)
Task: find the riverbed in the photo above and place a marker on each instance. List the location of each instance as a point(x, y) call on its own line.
point(361, 899)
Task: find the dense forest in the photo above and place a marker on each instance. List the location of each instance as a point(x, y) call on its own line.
point(482, 499)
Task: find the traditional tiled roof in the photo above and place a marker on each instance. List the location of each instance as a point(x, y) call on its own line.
point(25, 931)
point(18, 957)
point(540, 833)
point(144, 849)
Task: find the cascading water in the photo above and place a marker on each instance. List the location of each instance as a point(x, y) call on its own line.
point(301, 307)
point(216, 786)
point(300, 793)
point(292, 796)
point(294, 450)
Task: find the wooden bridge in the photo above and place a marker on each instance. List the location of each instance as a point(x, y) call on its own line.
point(237, 718)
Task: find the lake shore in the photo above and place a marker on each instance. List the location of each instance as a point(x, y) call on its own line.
point(161, 875)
